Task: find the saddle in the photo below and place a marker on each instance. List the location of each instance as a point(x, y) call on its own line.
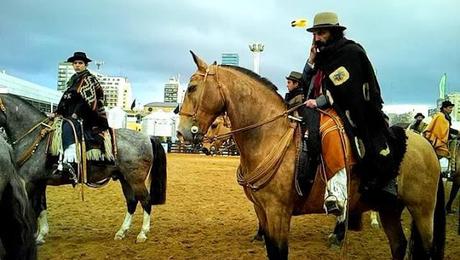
point(97, 146)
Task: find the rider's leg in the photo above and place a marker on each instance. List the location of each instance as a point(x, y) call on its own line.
point(335, 197)
point(311, 148)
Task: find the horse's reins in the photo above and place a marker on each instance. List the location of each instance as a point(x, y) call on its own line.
point(239, 130)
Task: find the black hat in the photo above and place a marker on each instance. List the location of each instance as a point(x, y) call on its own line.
point(446, 103)
point(79, 56)
point(325, 20)
point(295, 76)
point(419, 114)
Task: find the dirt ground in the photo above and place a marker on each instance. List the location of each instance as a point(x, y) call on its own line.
point(206, 216)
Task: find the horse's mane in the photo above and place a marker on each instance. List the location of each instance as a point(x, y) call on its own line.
point(264, 81)
point(26, 103)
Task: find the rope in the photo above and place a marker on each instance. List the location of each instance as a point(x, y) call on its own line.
point(31, 130)
point(33, 147)
point(256, 125)
point(267, 168)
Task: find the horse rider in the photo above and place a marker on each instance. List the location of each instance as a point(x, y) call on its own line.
point(418, 125)
point(439, 132)
point(295, 93)
point(81, 103)
point(307, 164)
point(340, 79)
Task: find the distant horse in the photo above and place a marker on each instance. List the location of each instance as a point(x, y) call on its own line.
point(140, 161)
point(454, 166)
point(267, 162)
point(218, 127)
point(17, 227)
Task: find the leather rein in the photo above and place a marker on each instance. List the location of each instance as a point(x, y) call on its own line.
point(193, 114)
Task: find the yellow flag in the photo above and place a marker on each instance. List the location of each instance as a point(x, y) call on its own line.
point(299, 23)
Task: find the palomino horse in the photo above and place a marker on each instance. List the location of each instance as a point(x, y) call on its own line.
point(454, 166)
point(268, 153)
point(220, 126)
point(17, 228)
point(140, 161)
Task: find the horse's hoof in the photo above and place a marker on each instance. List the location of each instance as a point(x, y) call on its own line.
point(39, 241)
point(257, 238)
point(333, 241)
point(141, 238)
point(119, 235)
point(375, 224)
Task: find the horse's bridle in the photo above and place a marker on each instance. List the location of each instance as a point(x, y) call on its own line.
point(194, 129)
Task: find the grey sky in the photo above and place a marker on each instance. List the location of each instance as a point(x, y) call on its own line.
point(410, 43)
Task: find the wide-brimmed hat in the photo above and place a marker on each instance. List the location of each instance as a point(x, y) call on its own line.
point(447, 103)
point(79, 56)
point(325, 20)
point(295, 76)
point(419, 114)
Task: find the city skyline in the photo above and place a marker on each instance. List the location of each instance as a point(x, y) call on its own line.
point(152, 41)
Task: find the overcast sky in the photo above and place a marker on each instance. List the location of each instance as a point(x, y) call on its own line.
point(411, 43)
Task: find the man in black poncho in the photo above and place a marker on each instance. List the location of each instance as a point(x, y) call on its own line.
point(82, 101)
point(339, 76)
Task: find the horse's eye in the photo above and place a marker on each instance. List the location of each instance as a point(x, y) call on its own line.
point(191, 88)
point(213, 126)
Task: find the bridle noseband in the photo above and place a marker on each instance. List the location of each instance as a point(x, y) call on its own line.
point(195, 129)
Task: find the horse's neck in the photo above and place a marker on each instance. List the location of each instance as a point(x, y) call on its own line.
point(249, 103)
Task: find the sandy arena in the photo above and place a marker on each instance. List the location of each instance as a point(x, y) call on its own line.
point(206, 216)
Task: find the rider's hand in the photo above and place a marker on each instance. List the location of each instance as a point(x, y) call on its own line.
point(312, 58)
point(311, 103)
point(51, 115)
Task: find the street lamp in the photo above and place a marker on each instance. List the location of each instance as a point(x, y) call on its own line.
point(256, 49)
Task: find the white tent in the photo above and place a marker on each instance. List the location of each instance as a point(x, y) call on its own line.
point(116, 118)
point(160, 123)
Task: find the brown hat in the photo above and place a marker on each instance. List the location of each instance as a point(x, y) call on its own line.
point(79, 56)
point(325, 20)
point(295, 76)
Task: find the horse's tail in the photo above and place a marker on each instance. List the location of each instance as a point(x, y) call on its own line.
point(417, 250)
point(18, 225)
point(158, 174)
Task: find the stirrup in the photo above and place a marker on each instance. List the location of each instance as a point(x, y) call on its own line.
point(332, 206)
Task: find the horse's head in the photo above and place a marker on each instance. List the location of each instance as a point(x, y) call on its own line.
point(203, 102)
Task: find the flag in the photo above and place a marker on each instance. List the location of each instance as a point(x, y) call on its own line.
point(133, 104)
point(299, 23)
point(443, 86)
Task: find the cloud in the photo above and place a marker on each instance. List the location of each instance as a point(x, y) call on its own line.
point(410, 43)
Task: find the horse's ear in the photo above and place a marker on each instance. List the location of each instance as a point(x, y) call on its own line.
point(202, 66)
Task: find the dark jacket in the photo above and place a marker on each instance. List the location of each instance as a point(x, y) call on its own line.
point(348, 76)
point(84, 97)
point(294, 97)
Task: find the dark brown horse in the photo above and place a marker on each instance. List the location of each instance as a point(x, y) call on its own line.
point(17, 227)
point(267, 162)
point(140, 165)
